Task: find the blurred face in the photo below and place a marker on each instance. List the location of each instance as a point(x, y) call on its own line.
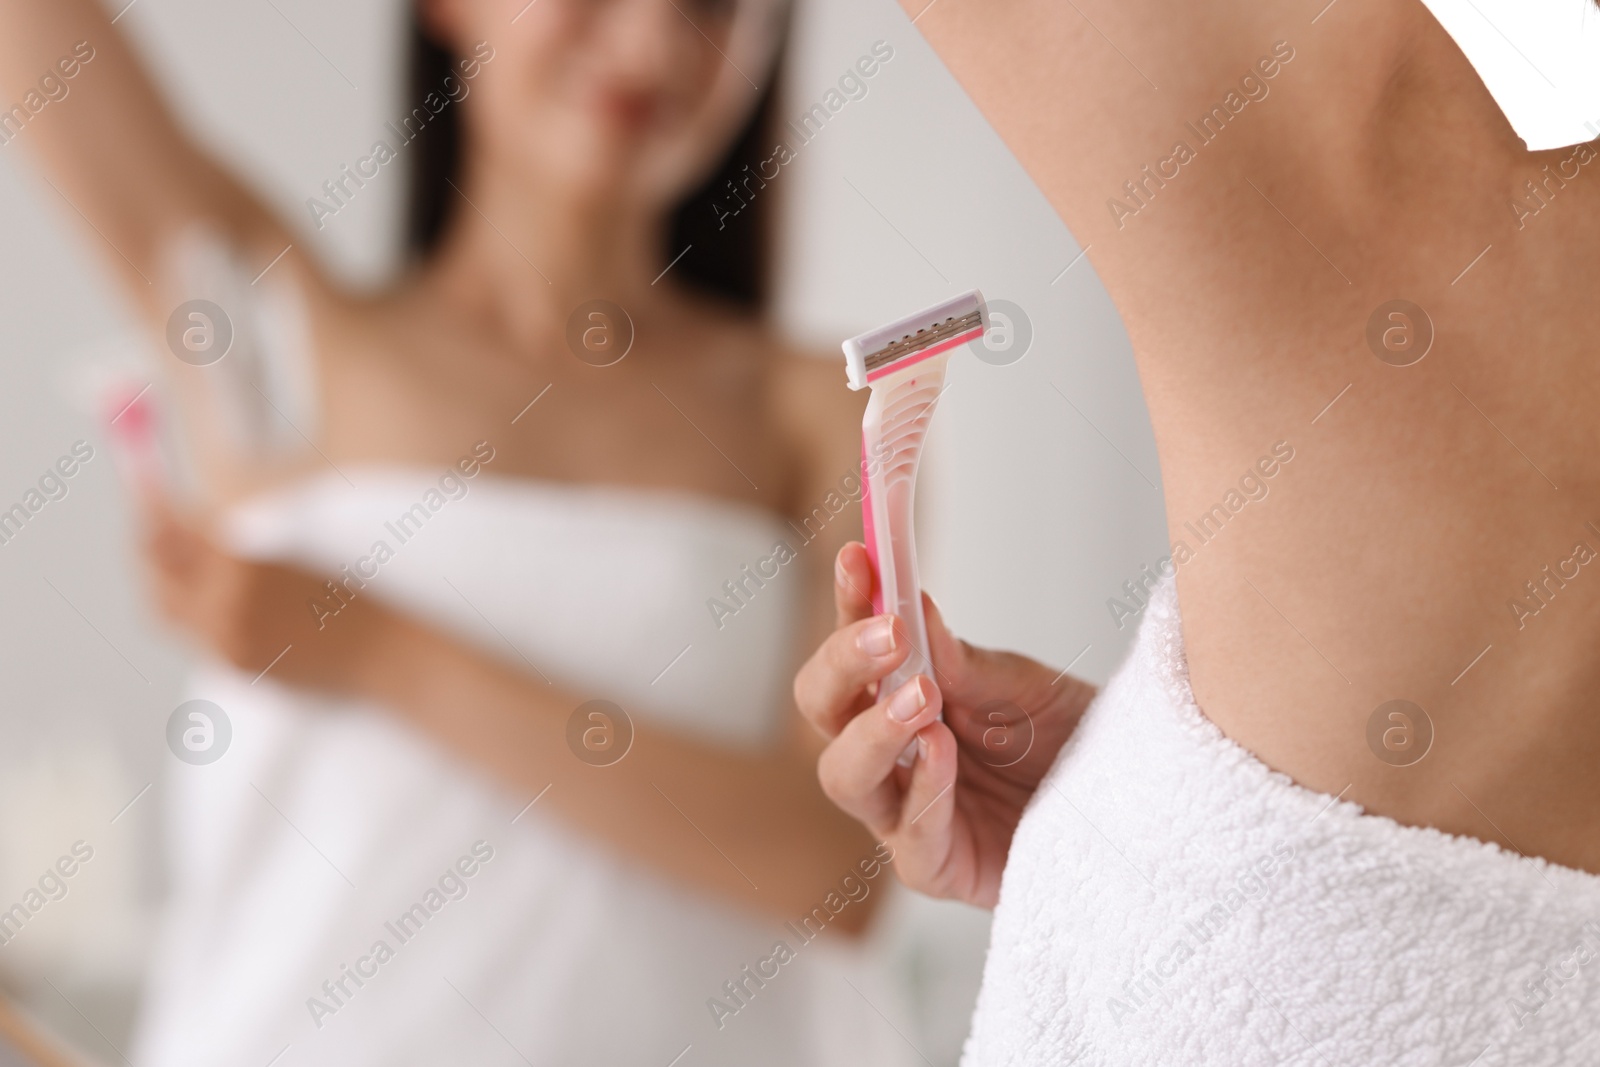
point(621, 98)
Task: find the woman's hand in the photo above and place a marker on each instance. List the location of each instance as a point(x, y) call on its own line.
point(951, 815)
point(256, 615)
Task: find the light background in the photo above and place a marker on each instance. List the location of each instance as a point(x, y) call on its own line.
point(1039, 494)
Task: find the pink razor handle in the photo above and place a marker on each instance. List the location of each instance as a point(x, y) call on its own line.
point(888, 507)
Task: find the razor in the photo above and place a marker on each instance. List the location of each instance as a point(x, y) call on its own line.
point(903, 364)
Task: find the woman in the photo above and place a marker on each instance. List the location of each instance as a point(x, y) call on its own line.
point(1346, 279)
point(423, 842)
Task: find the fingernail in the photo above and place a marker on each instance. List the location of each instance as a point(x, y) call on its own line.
point(904, 705)
point(922, 747)
point(877, 639)
point(840, 575)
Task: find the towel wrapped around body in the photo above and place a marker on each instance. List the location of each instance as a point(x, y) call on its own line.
point(1169, 899)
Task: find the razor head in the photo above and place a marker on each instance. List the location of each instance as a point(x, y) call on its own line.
point(914, 338)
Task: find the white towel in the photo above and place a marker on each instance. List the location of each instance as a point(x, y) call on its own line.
point(1171, 900)
point(327, 821)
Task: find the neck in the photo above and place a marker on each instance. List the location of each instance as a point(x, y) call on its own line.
point(521, 253)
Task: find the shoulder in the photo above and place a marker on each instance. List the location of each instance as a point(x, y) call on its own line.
point(801, 391)
point(818, 416)
point(807, 395)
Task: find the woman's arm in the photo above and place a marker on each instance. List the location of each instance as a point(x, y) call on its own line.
point(110, 146)
point(752, 826)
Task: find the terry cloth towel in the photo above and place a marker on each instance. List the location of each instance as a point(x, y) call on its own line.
point(1171, 900)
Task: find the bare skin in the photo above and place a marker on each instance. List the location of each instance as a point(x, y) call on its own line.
point(1417, 506)
point(449, 357)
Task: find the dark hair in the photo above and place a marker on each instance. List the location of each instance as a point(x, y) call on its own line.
point(727, 257)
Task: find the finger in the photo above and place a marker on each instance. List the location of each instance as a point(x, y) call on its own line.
point(952, 655)
point(852, 584)
point(174, 591)
point(158, 515)
point(930, 800)
point(169, 567)
point(172, 541)
point(170, 601)
point(153, 500)
point(189, 575)
point(831, 687)
point(857, 770)
point(970, 675)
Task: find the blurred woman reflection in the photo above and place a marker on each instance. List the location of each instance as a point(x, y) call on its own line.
point(422, 845)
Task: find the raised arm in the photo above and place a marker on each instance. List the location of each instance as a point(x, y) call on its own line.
point(80, 102)
point(1089, 93)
